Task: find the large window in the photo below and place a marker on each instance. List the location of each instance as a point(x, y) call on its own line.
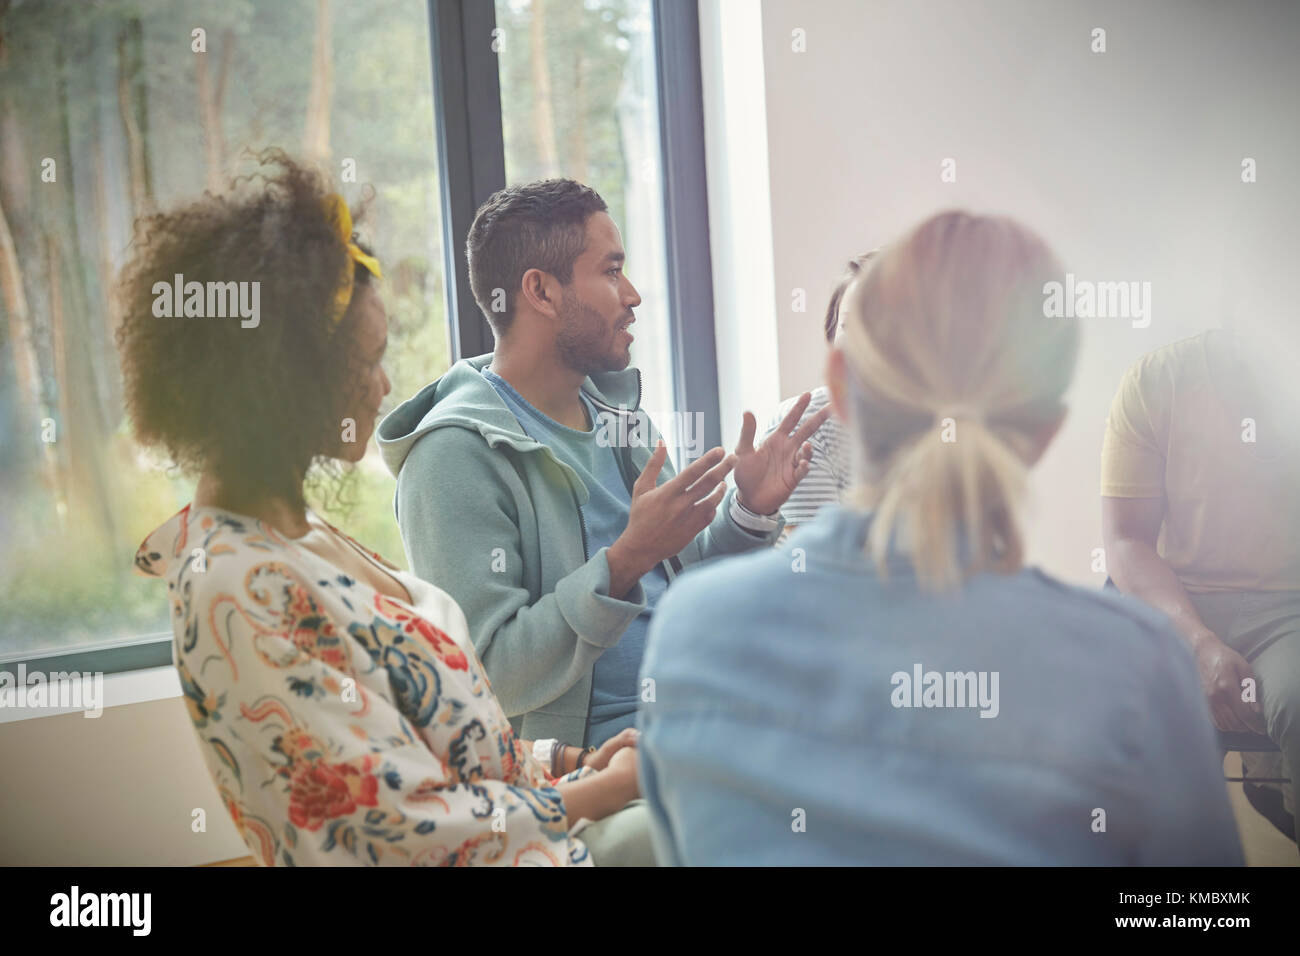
point(114, 108)
point(579, 99)
point(106, 111)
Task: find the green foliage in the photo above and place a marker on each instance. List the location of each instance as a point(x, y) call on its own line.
point(585, 49)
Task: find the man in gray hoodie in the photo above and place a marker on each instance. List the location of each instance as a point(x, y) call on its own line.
point(533, 489)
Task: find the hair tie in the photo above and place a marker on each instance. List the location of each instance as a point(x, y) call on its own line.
point(336, 209)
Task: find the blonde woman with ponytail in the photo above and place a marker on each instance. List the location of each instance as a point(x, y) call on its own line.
point(955, 378)
point(894, 686)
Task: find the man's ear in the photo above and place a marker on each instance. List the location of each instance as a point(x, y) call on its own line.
point(541, 291)
point(837, 383)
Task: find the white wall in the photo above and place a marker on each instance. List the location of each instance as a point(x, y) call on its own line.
point(114, 790)
point(1128, 162)
point(740, 211)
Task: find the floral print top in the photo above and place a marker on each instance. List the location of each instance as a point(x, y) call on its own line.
point(342, 726)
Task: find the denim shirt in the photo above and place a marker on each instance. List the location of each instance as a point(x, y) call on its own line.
point(808, 712)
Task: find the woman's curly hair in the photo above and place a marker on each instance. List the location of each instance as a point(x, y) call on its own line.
point(254, 406)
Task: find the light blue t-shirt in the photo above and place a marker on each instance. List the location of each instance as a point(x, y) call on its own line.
point(615, 690)
point(789, 725)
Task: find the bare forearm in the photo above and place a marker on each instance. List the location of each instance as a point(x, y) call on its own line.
point(1137, 568)
point(596, 796)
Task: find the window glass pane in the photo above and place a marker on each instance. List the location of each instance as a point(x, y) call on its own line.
point(578, 99)
point(108, 110)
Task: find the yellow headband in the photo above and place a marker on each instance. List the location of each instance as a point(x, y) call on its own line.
point(337, 210)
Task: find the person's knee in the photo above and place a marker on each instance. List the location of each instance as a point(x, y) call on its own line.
point(1280, 697)
point(623, 838)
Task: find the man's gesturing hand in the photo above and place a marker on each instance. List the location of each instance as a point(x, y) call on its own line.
point(665, 519)
point(765, 476)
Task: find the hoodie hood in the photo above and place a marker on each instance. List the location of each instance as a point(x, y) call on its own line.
point(465, 399)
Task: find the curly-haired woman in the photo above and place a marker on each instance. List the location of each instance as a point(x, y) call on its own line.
point(338, 701)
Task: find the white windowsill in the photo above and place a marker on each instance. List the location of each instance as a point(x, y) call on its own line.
point(128, 687)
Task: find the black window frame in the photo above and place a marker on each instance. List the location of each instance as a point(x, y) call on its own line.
point(472, 153)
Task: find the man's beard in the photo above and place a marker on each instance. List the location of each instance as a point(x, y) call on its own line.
point(584, 342)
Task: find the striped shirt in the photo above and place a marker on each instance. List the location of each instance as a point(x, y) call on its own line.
point(831, 472)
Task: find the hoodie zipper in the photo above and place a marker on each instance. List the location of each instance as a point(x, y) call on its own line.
point(582, 523)
point(591, 691)
point(624, 466)
point(672, 566)
point(623, 469)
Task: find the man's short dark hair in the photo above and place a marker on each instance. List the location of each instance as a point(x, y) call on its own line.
point(540, 225)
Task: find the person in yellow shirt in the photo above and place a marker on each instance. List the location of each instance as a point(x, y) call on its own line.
point(1201, 518)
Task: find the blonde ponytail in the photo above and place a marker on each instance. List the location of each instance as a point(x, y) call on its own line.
point(952, 367)
point(951, 496)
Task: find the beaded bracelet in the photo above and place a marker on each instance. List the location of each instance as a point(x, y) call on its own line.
point(555, 751)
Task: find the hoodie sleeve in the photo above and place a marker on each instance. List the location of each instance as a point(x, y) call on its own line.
point(457, 514)
point(726, 535)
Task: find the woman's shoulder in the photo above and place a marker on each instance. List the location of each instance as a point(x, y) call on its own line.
point(214, 553)
point(428, 600)
point(212, 558)
point(228, 571)
point(226, 574)
point(191, 541)
point(373, 555)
